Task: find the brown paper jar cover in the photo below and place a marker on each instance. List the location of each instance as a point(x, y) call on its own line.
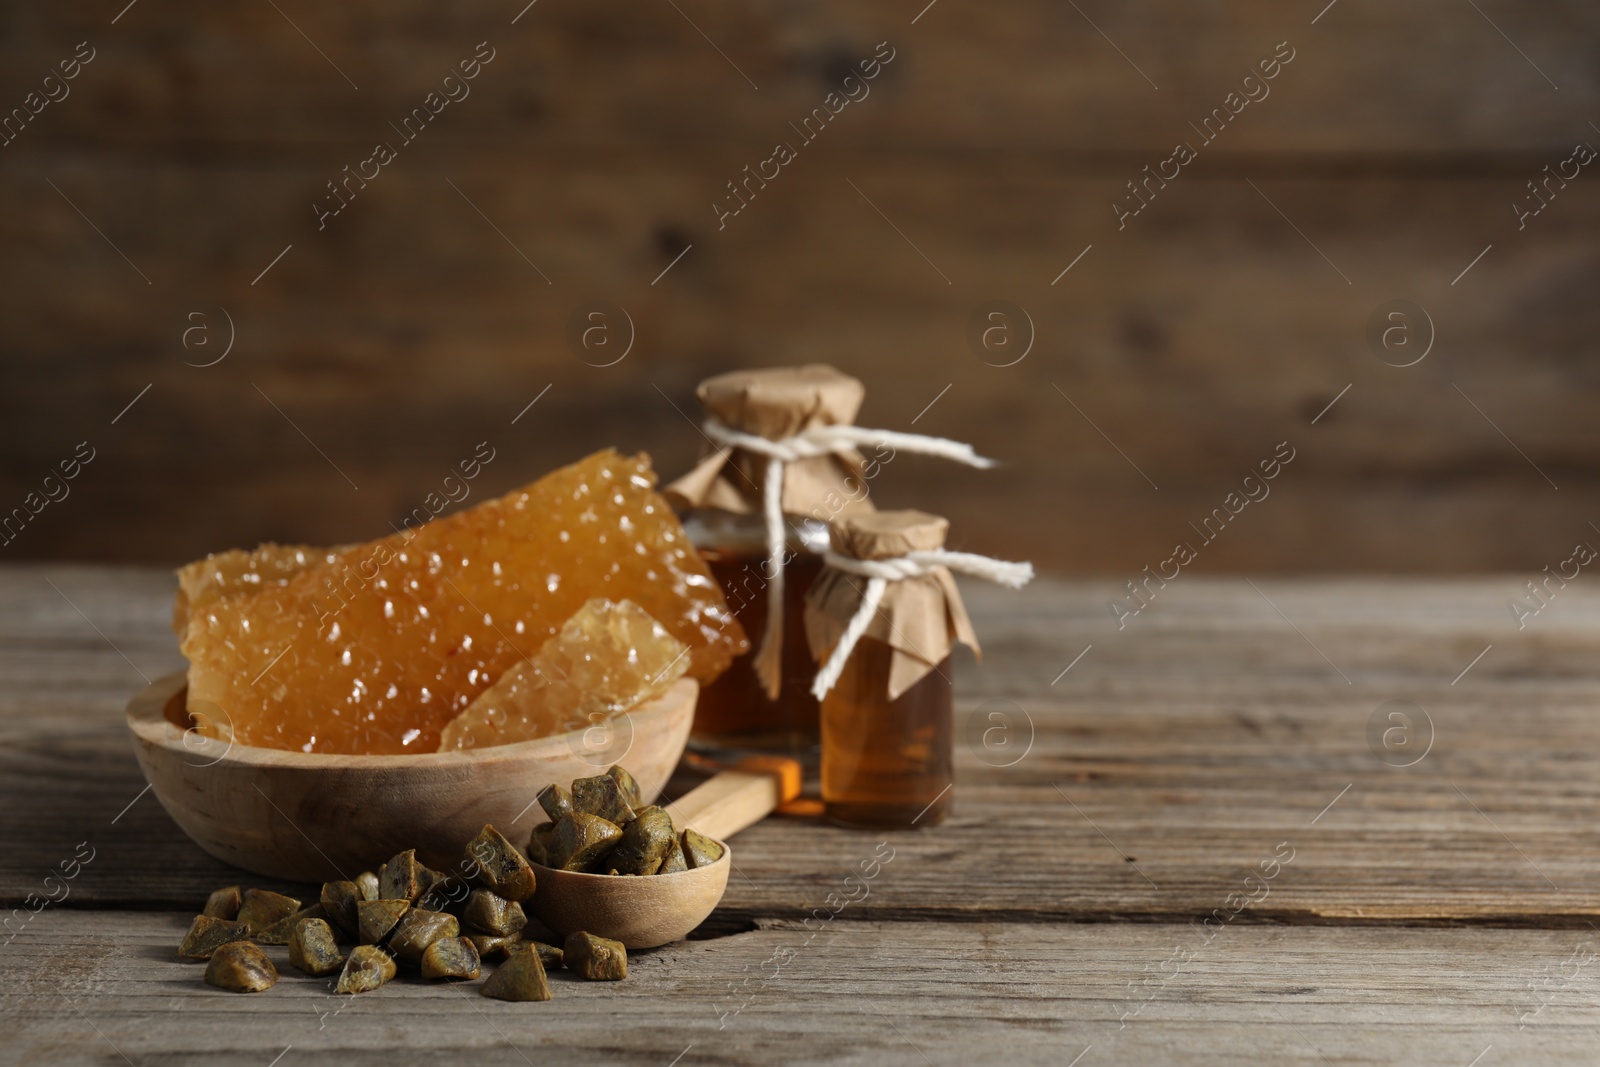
point(776, 403)
point(921, 618)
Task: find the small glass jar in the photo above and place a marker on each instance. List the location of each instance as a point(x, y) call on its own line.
point(887, 763)
point(734, 713)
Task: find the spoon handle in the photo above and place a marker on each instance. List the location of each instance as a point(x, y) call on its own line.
point(739, 797)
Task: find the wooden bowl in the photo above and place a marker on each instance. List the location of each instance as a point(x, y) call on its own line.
point(312, 817)
point(640, 912)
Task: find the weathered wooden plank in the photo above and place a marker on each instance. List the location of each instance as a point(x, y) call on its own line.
point(1195, 741)
point(997, 140)
point(1196, 339)
point(86, 988)
point(611, 77)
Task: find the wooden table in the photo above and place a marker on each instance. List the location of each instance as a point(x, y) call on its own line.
point(1215, 760)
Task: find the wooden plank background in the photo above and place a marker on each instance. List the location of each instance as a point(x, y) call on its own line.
point(1195, 740)
point(1429, 914)
point(593, 145)
point(859, 992)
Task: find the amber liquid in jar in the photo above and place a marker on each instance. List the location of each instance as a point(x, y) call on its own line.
point(887, 763)
point(734, 713)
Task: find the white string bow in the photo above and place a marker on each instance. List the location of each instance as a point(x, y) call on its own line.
point(880, 572)
point(808, 444)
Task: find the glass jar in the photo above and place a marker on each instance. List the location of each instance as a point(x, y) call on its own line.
point(887, 763)
point(734, 713)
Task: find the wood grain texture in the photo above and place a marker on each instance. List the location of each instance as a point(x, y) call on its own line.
point(1022, 76)
point(1199, 851)
point(593, 145)
point(91, 988)
point(250, 806)
point(736, 799)
point(1193, 742)
point(1235, 337)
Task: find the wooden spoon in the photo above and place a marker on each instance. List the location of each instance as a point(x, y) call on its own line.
point(657, 909)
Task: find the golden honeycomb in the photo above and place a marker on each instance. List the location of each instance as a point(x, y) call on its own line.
point(608, 658)
point(377, 648)
point(239, 571)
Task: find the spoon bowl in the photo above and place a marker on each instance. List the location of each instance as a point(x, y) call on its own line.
point(645, 911)
point(641, 912)
point(315, 816)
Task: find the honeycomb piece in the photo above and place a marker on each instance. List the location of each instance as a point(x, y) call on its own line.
point(608, 658)
point(377, 650)
point(237, 571)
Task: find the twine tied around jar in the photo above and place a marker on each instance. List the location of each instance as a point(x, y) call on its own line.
point(880, 572)
point(809, 444)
